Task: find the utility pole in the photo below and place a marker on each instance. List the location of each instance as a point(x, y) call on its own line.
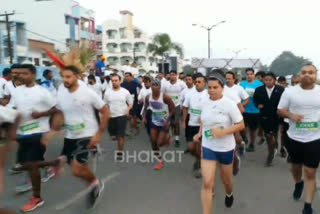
point(7, 15)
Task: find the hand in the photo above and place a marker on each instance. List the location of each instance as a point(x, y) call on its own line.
point(196, 138)
point(218, 132)
point(128, 113)
point(36, 115)
point(260, 106)
point(94, 141)
point(296, 117)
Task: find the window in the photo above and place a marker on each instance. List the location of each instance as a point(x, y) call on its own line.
point(36, 62)
point(67, 19)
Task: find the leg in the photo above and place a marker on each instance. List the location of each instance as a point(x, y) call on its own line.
point(208, 170)
point(226, 177)
point(310, 183)
point(82, 171)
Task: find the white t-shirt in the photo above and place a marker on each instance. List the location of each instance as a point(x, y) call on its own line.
point(2, 85)
point(185, 93)
point(174, 90)
point(28, 100)
point(118, 101)
point(78, 110)
point(220, 113)
point(306, 103)
point(242, 94)
point(7, 115)
point(194, 102)
point(232, 95)
point(144, 92)
point(98, 88)
point(98, 80)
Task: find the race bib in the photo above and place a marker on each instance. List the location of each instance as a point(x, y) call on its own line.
point(30, 127)
point(311, 126)
point(309, 120)
point(208, 134)
point(195, 111)
point(75, 128)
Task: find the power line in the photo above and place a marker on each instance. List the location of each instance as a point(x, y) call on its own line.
point(43, 36)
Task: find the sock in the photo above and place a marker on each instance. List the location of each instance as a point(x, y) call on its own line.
point(307, 206)
point(229, 195)
point(177, 138)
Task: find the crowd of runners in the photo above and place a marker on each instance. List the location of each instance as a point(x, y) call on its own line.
point(221, 118)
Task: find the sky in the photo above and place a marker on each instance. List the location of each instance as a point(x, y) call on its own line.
point(259, 28)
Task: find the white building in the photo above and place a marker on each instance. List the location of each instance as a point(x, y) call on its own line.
point(122, 41)
point(51, 24)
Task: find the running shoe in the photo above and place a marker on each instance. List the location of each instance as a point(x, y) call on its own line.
point(261, 141)
point(158, 166)
point(24, 186)
point(251, 148)
point(305, 211)
point(283, 152)
point(229, 201)
point(196, 170)
point(236, 165)
point(95, 194)
point(177, 144)
point(242, 149)
point(298, 189)
point(48, 173)
point(269, 160)
point(33, 204)
point(15, 169)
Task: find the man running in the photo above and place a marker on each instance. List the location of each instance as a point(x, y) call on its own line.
point(244, 98)
point(120, 103)
point(36, 105)
point(83, 131)
point(162, 109)
point(11, 85)
point(145, 91)
point(251, 113)
point(6, 76)
point(134, 88)
point(301, 104)
point(96, 87)
point(267, 98)
point(174, 88)
point(191, 118)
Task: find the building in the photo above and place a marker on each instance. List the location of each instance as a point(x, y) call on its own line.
point(55, 25)
point(122, 41)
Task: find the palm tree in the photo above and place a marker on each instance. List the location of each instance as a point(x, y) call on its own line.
point(162, 44)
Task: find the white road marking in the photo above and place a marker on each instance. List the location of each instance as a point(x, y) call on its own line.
point(81, 194)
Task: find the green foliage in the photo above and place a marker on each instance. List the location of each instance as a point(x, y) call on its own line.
point(288, 64)
point(161, 44)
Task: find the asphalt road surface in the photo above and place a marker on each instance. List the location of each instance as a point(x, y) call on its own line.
point(135, 188)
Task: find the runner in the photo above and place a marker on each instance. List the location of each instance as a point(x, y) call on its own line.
point(48, 82)
point(301, 104)
point(145, 91)
point(35, 104)
point(174, 89)
point(8, 116)
point(11, 85)
point(134, 88)
point(162, 108)
point(267, 98)
point(83, 131)
point(120, 103)
point(190, 87)
point(244, 97)
point(6, 76)
point(96, 87)
point(251, 114)
point(218, 142)
point(260, 75)
point(282, 81)
point(191, 119)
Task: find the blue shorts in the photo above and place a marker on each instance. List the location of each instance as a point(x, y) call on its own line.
point(225, 158)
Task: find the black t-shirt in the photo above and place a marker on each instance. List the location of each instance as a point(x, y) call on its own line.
point(133, 87)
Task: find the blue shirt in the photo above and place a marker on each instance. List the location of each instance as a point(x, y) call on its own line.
point(250, 89)
point(100, 66)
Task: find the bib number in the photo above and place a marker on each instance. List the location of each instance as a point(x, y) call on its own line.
point(208, 134)
point(76, 128)
point(311, 126)
point(195, 111)
point(30, 127)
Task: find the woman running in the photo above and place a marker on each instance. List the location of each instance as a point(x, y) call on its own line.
point(162, 108)
point(220, 119)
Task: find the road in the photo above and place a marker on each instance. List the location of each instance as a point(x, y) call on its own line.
point(136, 188)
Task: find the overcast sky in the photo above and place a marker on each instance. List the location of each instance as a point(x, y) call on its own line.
point(263, 27)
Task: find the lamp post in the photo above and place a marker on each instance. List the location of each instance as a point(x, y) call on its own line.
point(209, 28)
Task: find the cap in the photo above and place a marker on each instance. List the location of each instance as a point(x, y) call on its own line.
point(102, 57)
point(216, 76)
point(156, 82)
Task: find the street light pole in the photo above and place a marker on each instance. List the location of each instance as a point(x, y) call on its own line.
point(209, 34)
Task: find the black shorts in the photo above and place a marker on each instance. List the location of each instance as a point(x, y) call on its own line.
point(30, 149)
point(270, 125)
point(251, 121)
point(304, 153)
point(76, 149)
point(191, 131)
point(117, 126)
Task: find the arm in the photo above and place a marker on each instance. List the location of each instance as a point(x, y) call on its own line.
point(145, 109)
point(245, 102)
point(172, 108)
point(257, 99)
point(36, 115)
point(184, 115)
point(285, 113)
point(218, 132)
point(129, 102)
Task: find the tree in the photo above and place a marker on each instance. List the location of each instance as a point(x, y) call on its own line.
point(288, 64)
point(162, 44)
